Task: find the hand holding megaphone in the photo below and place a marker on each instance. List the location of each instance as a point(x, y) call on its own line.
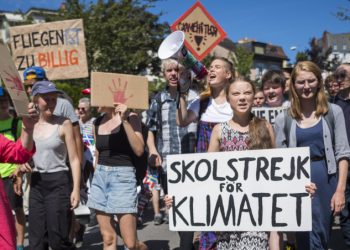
point(173, 46)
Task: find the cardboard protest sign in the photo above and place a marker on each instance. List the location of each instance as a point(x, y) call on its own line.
point(109, 88)
point(13, 82)
point(58, 47)
point(267, 113)
point(202, 32)
point(256, 190)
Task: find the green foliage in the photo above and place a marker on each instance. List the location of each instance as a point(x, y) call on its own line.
point(207, 60)
point(301, 56)
point(318, 55)
point(243, 61)
point(73, 91)
point(121, 36)
point(156, 85)
point(343, 13)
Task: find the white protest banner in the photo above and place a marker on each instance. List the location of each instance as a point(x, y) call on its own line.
point(58, 47)
point(267, 113)
point(13, 82)
point(110, 88)
point(256, 190)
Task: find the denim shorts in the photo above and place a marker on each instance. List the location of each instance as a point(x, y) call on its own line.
point(113, 190)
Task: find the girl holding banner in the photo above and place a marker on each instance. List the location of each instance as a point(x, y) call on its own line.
point(242, 132)
point(312, 122)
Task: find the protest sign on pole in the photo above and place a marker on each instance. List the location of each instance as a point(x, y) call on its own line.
point(13, 82)
point(109, 88)
point(256, 190)
point(267, 113)
point(58, 47)
point(202, 32)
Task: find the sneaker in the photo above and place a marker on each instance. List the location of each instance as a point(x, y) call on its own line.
point(158, 219)
point(20, 247)
point(166, 219)
point(79, 236)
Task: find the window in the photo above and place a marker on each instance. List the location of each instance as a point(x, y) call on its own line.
point(259, 50)
point(344, 47)
point(335, 47)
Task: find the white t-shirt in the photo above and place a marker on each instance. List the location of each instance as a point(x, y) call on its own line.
point(214, 113)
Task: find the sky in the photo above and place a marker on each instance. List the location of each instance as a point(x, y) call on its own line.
point(287, 23)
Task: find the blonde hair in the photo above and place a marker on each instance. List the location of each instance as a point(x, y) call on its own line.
point(170, 62)
point(321, 98)
point(228, 67)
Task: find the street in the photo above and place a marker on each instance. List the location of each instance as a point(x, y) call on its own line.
point(159, 237)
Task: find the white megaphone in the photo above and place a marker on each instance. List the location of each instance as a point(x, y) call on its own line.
point(173, 46)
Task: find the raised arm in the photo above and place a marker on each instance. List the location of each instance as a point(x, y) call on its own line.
point(132, 126)
point(184, 116)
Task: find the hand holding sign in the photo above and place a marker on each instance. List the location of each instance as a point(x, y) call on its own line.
point(119, 92)
point(122, 110)
point(30, 119)
point(17, 82)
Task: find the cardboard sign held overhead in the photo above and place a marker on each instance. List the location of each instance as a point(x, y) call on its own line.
point(203, 33)
point(252, 190)
point(58, 47)
point(13, 82)
point(109, 88)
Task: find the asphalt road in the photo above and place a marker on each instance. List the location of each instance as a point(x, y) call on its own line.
point(160, 238)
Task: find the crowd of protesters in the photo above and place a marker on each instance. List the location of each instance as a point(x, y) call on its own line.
point(98, 161)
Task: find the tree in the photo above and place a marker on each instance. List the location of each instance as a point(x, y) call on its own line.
point(319, 55)
point(121, 36)
point(243, 61)
point(301, 56)
point(343, 13)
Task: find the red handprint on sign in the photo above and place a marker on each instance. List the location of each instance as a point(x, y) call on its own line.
point(17, 83)
point(119, 92)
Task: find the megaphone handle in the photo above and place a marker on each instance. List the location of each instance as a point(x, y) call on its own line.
point(178, 96)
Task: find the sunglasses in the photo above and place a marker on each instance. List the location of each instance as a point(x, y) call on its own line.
point(83, 109)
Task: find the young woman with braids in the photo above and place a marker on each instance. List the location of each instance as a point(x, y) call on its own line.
point(242, 132)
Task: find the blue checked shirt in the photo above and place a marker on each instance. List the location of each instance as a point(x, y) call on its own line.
point(170, 138)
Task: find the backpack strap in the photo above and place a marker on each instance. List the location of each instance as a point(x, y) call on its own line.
point(158, 99)
point(97, 123)
point(203, 105)
point(329, 117)
point(287, 125)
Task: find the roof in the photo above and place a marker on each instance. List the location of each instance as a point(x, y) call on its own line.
point(228, 44)
point(41, 11)
point(264, 49)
